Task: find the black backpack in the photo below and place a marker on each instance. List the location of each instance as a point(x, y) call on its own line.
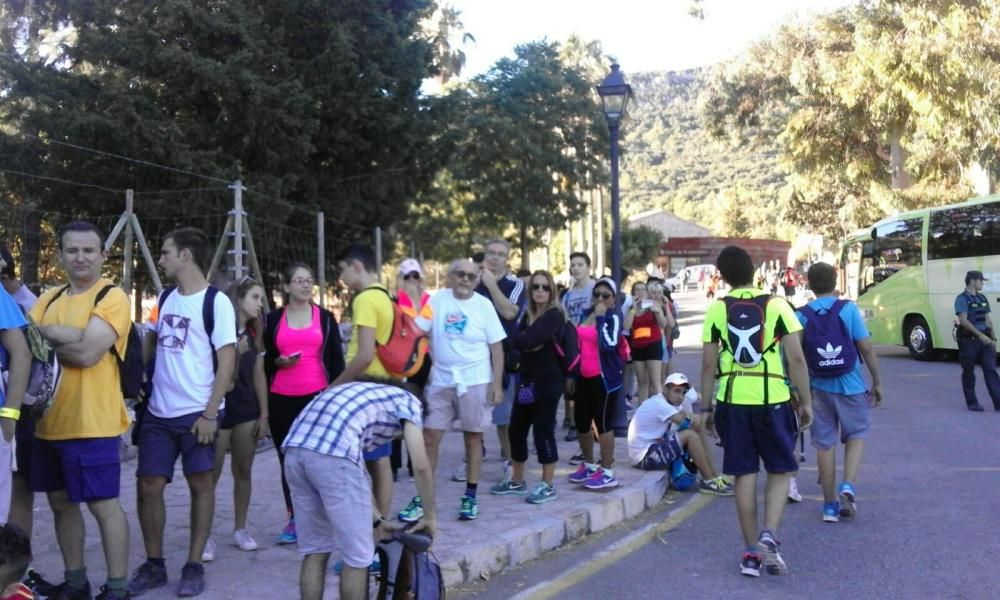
point(745, 322)
point(130, 368)
point(567, 347)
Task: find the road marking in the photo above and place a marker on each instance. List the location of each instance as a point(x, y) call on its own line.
point(614, 553)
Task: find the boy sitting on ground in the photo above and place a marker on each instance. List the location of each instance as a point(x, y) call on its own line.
point(660, 432)
point(15, 554)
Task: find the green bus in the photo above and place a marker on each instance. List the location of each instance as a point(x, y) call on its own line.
point(906, 270)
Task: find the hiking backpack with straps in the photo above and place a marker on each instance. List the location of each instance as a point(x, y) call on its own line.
point(744, 335)
point(404, 352)
point(44, 374)
point(829, 348)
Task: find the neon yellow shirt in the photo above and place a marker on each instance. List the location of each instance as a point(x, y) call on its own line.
point(779, 319)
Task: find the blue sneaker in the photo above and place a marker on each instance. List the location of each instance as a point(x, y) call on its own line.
point(288, 534)
point(601, 479)
point(770, 551)
point(469, 510)
point(542, 493)
point(848, 508)
point(413, 512)
point(507, 487)
point(831, 512)
point(582, 473)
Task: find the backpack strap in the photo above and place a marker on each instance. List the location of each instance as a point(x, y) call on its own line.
point(208, 318)
point(62, 291)
point(97, 300)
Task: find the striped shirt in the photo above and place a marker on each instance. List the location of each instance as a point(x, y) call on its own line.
point(345, 420)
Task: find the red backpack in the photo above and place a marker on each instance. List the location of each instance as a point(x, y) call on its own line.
point(404, 352)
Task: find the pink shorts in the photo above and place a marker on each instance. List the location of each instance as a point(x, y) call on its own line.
point(472, 409)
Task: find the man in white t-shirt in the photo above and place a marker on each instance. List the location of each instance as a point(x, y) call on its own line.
point(183, 411)
point(466, 375)
point(660, 433)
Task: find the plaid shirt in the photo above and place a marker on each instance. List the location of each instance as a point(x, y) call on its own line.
point(352, 417)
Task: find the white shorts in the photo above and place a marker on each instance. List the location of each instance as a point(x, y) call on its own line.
point(472, 408)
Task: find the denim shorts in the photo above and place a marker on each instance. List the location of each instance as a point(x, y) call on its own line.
point(381, 451)
point(162, 440)
point(88, 469)
point(754, 433)
point(501, 412)
point(851, 414)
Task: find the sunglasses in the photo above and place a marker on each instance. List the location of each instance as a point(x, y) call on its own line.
point(471, 276)
point(541, 286)
point(413, 275)
point(603, 295)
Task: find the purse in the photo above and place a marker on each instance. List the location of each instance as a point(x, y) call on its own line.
point(526, 394)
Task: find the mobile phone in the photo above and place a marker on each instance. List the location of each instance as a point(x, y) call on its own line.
point(295, 354)
point(646, 303)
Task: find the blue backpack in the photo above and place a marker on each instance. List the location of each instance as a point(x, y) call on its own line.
point(828, 346)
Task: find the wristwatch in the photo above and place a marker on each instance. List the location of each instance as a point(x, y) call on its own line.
point(378, 522)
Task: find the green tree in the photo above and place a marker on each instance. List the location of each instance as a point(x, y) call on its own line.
point(640, 245)
point(531, 135)
point(314, 103)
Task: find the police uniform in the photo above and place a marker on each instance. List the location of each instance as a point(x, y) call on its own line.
point(972, 350)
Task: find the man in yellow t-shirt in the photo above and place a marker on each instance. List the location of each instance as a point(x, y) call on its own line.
point(753, 417)
point(75, 454)
point(372, 319)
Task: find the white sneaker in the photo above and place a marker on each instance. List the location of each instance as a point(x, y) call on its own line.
point(459, 474)
point(793, 491)
point(244, 541)
point(208, 554)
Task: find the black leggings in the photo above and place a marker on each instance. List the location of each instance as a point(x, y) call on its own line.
point(593, 405)
point(282, 411)
point(540, 416)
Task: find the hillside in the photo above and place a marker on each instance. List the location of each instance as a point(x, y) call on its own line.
point(669, 159)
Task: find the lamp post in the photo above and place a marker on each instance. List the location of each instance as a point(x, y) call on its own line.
point(614, 94)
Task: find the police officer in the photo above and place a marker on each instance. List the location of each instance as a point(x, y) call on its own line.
point(976, 341)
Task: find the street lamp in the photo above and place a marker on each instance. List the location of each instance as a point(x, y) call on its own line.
point(615, 94)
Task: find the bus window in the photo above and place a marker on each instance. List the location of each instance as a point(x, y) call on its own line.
point(964, 231)
point(898, 244)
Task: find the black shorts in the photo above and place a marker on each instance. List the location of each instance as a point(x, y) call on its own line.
point(653, 351)
point(754, 433)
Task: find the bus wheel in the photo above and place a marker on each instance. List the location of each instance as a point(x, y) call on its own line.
point(918, 339)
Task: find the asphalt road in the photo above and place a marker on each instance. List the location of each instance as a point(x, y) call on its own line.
point(928, 500)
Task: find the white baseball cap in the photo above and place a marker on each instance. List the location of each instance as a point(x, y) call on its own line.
point(677, 379)
point(410, 265)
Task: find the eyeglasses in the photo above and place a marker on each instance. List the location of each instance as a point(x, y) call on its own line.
point(541, 286)
point(465, 275)
point(413, 275)
point(603, 295)
point(497, 253)
point(301, 281)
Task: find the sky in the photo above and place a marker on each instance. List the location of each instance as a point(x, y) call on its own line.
point(644, 35)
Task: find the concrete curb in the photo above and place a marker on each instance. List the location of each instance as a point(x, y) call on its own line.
point(536, 537)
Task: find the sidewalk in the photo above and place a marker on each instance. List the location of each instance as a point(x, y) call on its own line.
point(508, 532)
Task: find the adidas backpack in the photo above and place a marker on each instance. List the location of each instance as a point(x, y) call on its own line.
point(828, 346)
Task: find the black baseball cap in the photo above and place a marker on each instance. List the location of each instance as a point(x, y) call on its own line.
point(973, 276)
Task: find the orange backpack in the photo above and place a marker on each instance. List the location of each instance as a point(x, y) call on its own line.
point(404, 352)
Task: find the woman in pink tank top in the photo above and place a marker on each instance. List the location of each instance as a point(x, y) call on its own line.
point(303, 354)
